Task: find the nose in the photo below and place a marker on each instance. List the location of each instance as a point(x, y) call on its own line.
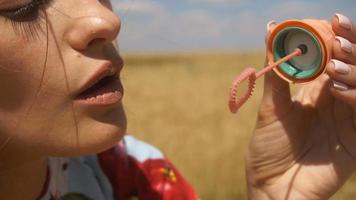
point(103, 26)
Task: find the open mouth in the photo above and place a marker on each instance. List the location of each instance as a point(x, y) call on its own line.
point(106, 91)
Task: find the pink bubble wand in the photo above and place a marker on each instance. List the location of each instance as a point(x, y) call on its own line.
point(235, 102)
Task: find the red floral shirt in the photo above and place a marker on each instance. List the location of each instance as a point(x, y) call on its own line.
point(131, 169)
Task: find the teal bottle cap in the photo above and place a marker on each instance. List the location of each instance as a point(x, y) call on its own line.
point(304, 66)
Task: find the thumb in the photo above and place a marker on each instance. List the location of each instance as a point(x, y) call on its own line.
point(276, 99)
point(269, 28)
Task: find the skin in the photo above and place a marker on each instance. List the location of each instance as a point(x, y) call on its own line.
point(38, 116)
point(304, 147)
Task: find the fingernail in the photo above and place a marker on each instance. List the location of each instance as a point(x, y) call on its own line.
point(340, 86)
point(344, 21)
point(272, 22)
point(341, 67)
point(345, 44)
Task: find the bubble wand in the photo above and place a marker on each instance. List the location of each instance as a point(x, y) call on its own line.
point(302, 49)
point(250, 74)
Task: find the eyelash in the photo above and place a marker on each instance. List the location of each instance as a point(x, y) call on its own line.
point(23, 13)
point(27, 20)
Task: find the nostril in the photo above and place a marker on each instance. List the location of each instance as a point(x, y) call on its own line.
point(97, 41)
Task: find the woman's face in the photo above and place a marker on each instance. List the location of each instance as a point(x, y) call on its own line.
point(60, 94)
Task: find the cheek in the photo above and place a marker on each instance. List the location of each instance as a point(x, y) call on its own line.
point(14, 91)
point(28, 72)
point(33, 96)
point(20, 71)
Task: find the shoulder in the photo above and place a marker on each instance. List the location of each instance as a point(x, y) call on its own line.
point(135, 167)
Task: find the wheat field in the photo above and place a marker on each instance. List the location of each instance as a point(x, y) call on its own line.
point(178, 102)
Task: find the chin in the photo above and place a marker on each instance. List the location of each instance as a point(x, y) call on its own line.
point(107, 131)
point(97, 142)
point(95, 135)
point(103, 140)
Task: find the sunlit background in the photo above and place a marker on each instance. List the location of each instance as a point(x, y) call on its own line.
point(181, 57)
point(161, 25)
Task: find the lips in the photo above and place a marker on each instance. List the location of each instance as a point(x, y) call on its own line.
point(102, 88)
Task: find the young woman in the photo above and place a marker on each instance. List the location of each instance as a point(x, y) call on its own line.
point(305, 147)
point(61, 97)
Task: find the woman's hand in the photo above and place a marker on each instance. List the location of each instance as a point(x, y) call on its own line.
point(305, 147)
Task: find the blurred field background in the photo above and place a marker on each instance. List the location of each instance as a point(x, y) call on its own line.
point(178, 102)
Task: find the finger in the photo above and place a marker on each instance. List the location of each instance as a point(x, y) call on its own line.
point(270, 25)
point(343, 92)
point(345, 137)
point(276, 95)
point(342, 72)
point(344, 50)
point(343, 26)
